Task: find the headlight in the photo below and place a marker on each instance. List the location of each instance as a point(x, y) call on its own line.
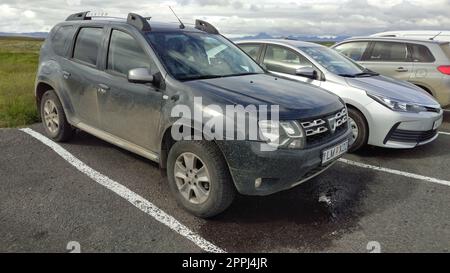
point(398, 105)
point(284, 134)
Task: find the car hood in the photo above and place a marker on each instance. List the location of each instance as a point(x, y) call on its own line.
point(394, 89)
point(296, 100)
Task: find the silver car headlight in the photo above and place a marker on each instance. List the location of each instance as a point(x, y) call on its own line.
point(282, 134)
point(397, 105)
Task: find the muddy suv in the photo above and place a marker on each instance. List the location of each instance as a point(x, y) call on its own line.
point(166, 91)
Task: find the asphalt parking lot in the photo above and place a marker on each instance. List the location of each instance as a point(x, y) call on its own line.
point(46, 202)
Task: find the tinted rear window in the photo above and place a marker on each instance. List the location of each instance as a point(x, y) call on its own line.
point(251, 49)
point(422, 54)
point(389, 52)
point(88, 45)
point(446, 49)
point(61, 39)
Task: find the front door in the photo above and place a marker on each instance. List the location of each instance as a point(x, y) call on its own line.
point(127, 110)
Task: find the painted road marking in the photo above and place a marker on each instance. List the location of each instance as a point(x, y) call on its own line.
point(444, 133)
point(397, 172)
point(135, 199)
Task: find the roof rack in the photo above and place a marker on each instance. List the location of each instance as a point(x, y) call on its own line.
point(138, 21)
point(205, 26)
point(79, 16)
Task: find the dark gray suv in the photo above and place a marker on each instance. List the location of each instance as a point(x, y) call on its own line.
point(135, 83)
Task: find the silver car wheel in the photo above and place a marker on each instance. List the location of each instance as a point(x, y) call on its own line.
point(355, 130)
point(192, 178)
point(51, 117)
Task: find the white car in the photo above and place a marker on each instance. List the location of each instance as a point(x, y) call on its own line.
point(438, 35)
point(382, 111)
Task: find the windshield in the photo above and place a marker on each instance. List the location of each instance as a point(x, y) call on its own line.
point(335, 62)
point(193, 55)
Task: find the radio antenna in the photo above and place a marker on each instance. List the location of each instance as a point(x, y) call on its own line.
point(181, 23)
point(436, 36)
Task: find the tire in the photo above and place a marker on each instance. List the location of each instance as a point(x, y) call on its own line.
point(357, 119)
point(221, 190)
point(54, 119)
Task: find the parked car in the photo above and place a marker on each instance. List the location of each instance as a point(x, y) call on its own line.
point(382, 111)
point(423, 63)
point(438, 35)
point(120, 80)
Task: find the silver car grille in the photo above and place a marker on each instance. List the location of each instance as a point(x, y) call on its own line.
point(326, 124)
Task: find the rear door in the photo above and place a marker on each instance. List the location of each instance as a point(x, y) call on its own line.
point(80, 74)
point(130, 111)
point(391, 59)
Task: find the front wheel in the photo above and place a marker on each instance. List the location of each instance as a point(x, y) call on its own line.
point(53, 118)
point(360, 131)
point(199, 178)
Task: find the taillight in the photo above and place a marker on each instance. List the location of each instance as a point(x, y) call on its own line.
point(444, 69)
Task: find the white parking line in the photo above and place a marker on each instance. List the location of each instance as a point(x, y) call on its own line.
point(444, 133)
point(397, 172)
point(135, 199)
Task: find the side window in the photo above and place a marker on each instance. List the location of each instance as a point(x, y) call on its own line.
point(421, 54)
point(389, 52)
point(354, 51)
point(251, 49)
point(284, 60)
point(125, 54)
point(61, 39)
point(88, 44)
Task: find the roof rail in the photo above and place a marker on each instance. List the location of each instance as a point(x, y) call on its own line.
point(79, 16)
point(138, 21)
point(205, 26)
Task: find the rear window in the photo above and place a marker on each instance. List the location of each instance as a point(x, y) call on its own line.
point(446, 49)
point(422, 54)
point(251, 49)
point(389, 52)
point(88, 44)
point(61, 39)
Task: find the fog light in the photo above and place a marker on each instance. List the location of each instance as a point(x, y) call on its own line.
point(258, 182)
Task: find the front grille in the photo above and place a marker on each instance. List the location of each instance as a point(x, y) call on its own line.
point(412, 136)
point(320, 130)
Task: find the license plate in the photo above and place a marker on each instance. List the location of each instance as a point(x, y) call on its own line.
point(334, 152)
point(437, 123)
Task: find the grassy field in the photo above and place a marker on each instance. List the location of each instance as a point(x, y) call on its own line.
point(18, 63)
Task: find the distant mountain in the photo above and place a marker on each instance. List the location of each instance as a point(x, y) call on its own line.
point(25, 34)
point(315, 38)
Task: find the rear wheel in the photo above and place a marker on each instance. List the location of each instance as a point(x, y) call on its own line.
point(53, 118)
point(199, 178)
point(360, 131)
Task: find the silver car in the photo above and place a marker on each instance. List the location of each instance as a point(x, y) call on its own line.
point(425, 63)
point(382, 111)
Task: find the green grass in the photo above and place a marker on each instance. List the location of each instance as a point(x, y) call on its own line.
point(18, 63)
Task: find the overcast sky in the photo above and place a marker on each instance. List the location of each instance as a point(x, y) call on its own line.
point(244, 17)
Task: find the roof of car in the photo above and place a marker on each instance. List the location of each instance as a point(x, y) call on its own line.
point(401, 39)
point(294, 43)
point(155, 26)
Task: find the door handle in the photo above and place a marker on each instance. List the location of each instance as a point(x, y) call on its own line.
point(401, 69)
point(102, 88)
point(66, 75)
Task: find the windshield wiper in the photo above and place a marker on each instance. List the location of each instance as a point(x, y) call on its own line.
point(366, 73)
point(240, 74)
point(201, 77)
point(347, 75)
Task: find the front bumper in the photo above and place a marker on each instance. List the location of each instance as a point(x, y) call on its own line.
point(278, 170)
point(392, 129)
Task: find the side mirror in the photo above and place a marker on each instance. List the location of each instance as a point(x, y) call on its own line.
point(140, 75)
point(307, 72)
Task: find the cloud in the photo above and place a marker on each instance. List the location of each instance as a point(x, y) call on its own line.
point(234, 17)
